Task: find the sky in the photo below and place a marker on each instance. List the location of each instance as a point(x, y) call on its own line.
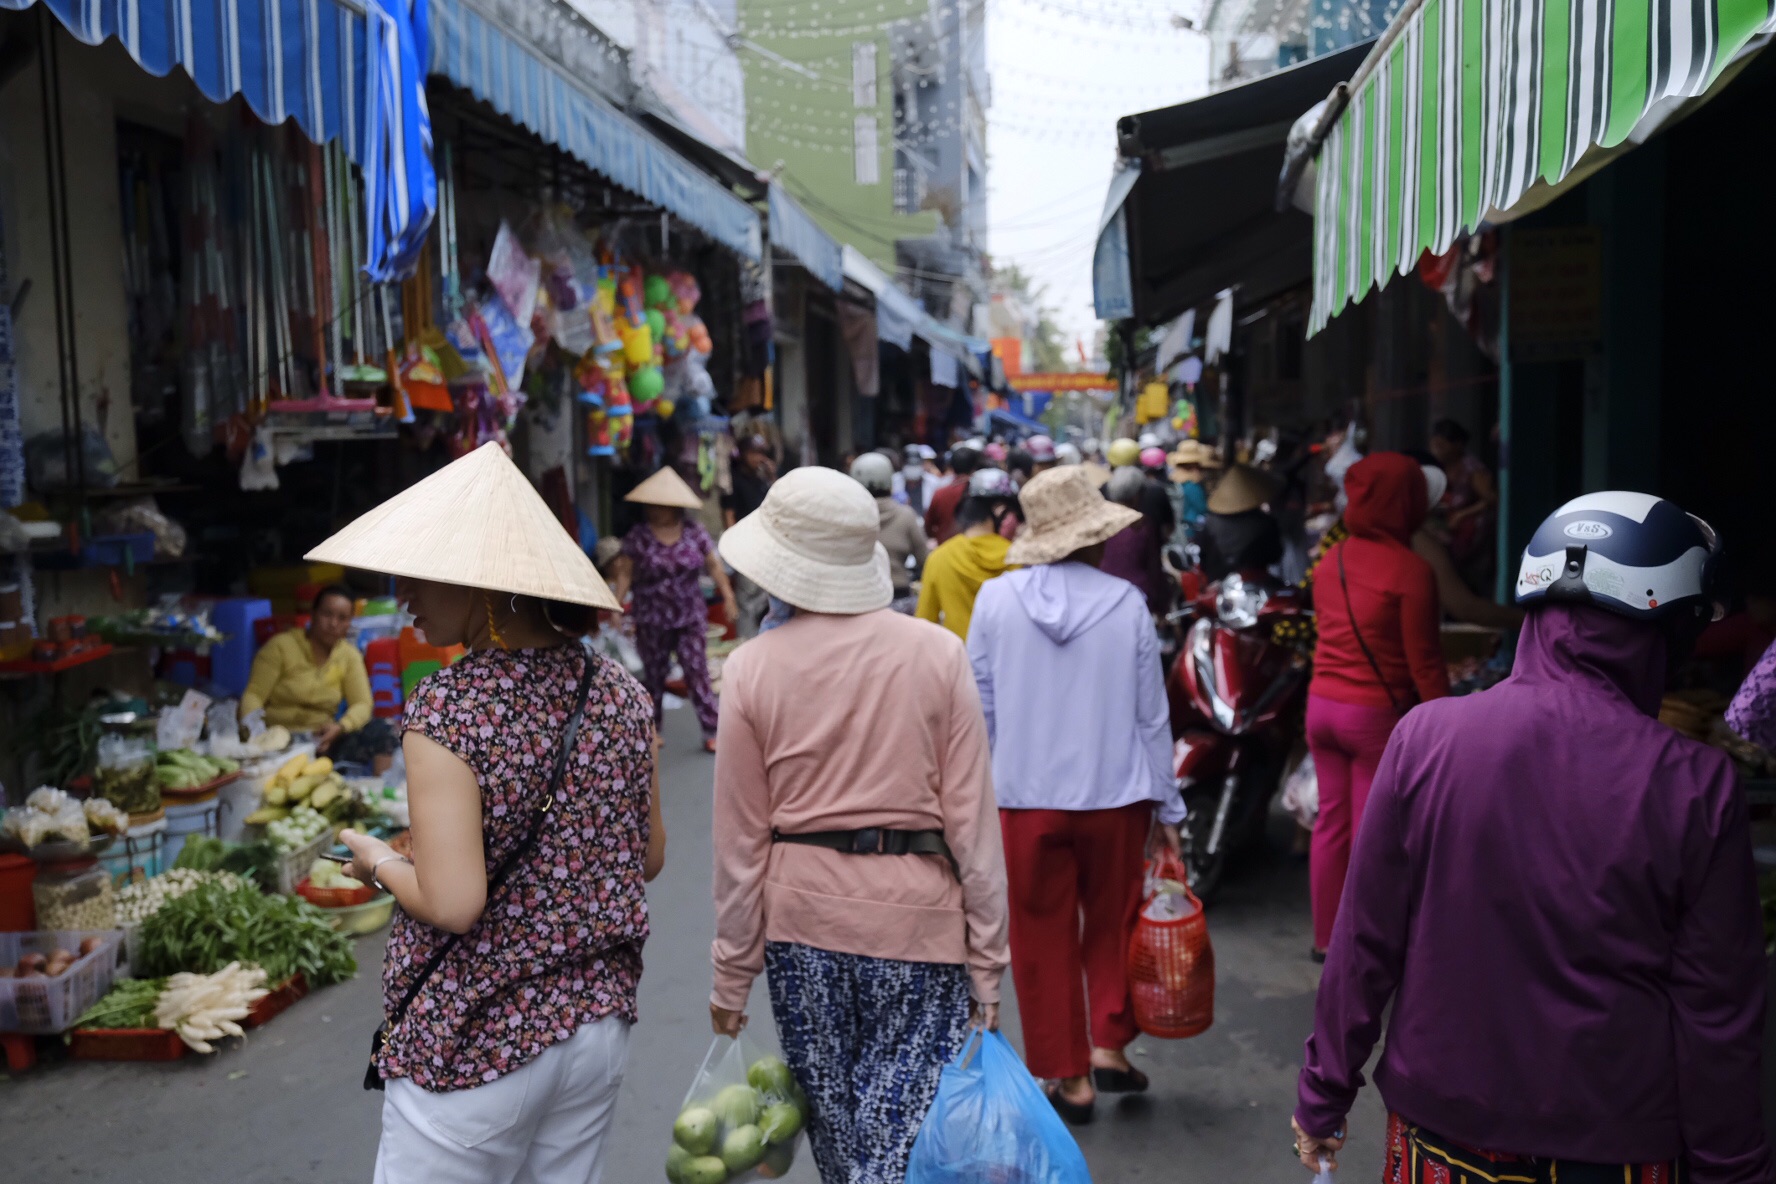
point(1063, 71)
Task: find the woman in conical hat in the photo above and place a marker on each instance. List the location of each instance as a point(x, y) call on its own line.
point(663, 556)
point(510, 979)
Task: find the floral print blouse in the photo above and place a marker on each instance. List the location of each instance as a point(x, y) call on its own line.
point(668, 592)
point(559, 945)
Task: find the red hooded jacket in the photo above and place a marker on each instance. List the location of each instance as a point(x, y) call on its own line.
point(1392, 598)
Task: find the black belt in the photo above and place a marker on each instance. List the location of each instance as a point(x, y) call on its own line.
point(875, 840)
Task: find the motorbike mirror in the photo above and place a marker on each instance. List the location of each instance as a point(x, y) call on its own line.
point(1175, 556)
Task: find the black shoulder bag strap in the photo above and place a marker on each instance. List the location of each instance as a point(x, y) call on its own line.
point(1344, 584)
point(569, 736)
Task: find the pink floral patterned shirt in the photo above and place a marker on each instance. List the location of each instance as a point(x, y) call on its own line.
point(560, 943)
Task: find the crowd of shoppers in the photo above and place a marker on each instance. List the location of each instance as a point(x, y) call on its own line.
point(1548, 895)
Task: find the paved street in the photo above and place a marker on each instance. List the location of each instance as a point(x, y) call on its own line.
point(289, 1107)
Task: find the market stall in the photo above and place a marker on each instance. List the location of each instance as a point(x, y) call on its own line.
point(129, 927)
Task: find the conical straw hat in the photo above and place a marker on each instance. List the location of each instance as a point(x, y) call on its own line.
point(476, 522)
point(1243, 488)
point(665, 488)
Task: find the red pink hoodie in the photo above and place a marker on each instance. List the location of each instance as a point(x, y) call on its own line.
point(1392, 600)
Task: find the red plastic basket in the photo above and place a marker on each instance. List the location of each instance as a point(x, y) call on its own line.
point(276, 1003)
point(125, 1044)
point(1171, 966)
point(333, 898)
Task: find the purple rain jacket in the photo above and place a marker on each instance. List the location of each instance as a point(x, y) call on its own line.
point(1556, 893)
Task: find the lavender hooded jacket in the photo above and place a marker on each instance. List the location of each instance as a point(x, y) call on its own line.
point(1556, 893)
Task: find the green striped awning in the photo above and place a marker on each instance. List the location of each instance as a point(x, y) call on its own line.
point(1465, 104)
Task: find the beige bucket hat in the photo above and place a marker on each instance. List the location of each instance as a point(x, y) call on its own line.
point(476, 522)
point(665, 488)
point(813, 543)
point(1064, 513)
point(1242, 488)
point(1195, 452)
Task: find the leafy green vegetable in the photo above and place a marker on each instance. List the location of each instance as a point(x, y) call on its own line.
point(202, 853)
point(211, 926)
point(250, 861)
point(129, 1004)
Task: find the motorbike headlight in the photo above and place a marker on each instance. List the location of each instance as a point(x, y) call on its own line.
point(1239, 603)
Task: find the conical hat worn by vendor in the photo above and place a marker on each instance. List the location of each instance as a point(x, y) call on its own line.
point(665, 488)
point(477, 522)
point(1243, 488)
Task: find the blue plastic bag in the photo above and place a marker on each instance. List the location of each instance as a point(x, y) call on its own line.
point(991, 1124)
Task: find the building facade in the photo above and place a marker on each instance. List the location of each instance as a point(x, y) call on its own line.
point(874, 117)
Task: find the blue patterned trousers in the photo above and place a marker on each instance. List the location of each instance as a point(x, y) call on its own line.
point(867, 1039)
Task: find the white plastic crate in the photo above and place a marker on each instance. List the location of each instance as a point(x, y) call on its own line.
point(44, 1006)
point(294, 866)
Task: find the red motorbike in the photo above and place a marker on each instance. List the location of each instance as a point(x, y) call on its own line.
point(1237, 691)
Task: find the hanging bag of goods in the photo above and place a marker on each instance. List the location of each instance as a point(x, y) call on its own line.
point(1171, 967)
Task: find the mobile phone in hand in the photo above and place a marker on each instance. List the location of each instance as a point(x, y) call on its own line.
point(332, 858)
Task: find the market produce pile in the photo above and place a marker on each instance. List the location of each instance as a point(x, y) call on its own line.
point(741, 1128)
point(215, 924)
point(303, 825)
point(199, 1007)
point(307, 783)
point(49, 815)
point(137, 902)
point(324, 873)
point(256, 862)
point(181, 768)
point(51, 965)
point(206, 1007)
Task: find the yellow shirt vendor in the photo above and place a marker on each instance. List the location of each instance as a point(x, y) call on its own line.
point(301, 676)
point(955, 571)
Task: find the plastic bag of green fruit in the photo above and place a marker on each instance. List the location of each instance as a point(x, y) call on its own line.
point(741, 1120)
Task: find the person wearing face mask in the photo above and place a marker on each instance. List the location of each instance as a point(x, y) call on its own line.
point(1553, 900)
point(955, 571)
point(514, 959)
point(302, 677)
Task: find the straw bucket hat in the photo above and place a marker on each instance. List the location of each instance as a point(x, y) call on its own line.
point(665, 488)
point(1064, 513)
point(813, 543)
point(1242, 488)
point(1195, 452)
point(476, 522)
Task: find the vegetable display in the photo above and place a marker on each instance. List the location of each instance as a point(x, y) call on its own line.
point(206, 1007)
point(181, 768)
point(324, 873)
point(51, 965)
point(250, 861)
point(309, 782)
point(214, 924)
point(298, 830)
point(129, 1004)
point(137, 902)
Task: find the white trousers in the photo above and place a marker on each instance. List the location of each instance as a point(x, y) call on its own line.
point(541, 1124)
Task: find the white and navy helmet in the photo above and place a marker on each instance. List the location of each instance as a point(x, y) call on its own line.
point(1634, 554)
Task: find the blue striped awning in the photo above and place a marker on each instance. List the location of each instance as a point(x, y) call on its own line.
point(796, 232)
point(290, 59)
point(498, 66)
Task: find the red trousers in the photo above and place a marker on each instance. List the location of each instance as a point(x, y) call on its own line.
point(1075, 885)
